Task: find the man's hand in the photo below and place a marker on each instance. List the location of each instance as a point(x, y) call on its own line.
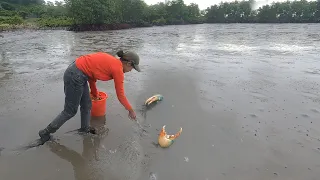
point(95, 98)
point(132, 115)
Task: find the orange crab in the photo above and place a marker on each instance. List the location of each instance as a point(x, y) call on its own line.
point(153, 99)
point(166, 140)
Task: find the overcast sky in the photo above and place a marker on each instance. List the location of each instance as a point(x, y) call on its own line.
point(203, 4)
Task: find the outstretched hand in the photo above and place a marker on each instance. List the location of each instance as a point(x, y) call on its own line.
point(132, 115)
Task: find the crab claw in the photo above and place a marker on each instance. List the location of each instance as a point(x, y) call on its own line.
point(165, 140)
point(150, 100)
point(157, 97)
point(173, 137)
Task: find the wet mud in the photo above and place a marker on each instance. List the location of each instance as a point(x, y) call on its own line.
point(247, 98)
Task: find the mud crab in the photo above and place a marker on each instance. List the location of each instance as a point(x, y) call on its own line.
point(166, 140)
point(154, 98)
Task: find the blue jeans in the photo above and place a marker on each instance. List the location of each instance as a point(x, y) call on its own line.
point(77, 93)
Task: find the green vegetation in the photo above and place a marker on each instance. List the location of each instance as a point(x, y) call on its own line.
point(33, 14)
point(117, 14)
point(286, 12)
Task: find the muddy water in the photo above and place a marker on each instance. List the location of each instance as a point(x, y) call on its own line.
point(246, 96)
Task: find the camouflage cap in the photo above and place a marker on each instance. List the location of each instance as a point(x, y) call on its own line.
point(134, 58)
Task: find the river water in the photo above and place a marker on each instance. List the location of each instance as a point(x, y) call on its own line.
point(246, 96)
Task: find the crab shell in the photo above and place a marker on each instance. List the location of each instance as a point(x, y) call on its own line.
point(166, 140)
point(157, 97)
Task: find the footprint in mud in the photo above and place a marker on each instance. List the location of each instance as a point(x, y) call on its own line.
point(315, 110)
point(155, 144)
point(259, 96)
point(152, 176)
point(317, 150)
point(313, 71)
point(253, 116)
point(1, 149)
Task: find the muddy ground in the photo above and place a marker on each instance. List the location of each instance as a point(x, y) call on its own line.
point(246, 96)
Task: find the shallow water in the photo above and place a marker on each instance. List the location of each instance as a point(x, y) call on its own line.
point(246, 96)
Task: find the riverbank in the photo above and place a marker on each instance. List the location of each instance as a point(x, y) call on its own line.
point(8, 27)
point(105, 27)
point(108, 27)
point(83, 27)
point(76, 28)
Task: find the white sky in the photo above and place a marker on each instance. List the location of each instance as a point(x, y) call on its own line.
point(203, 4)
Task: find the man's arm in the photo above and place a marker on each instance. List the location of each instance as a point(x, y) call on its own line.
point(93, 87)
point(118, 77)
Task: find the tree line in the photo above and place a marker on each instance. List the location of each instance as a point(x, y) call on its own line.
point(278, 12)
point(138, 13)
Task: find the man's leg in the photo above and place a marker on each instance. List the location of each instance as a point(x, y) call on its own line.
point(85, 108)
point(73, 89)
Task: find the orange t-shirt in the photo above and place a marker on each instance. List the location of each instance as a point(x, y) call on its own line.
point(104, 67)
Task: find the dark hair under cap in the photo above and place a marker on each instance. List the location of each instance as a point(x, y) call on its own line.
point(130, 57)
point(120, 53)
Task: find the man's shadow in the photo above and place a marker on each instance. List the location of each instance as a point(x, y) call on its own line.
point(82, 163)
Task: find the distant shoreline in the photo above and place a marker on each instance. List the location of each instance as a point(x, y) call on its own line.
point(110, 27)
point(84, 27)
point(107, 27)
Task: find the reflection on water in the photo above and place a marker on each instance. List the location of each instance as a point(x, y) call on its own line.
point(83, 163)
point(98, 161)
point(81, 167)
